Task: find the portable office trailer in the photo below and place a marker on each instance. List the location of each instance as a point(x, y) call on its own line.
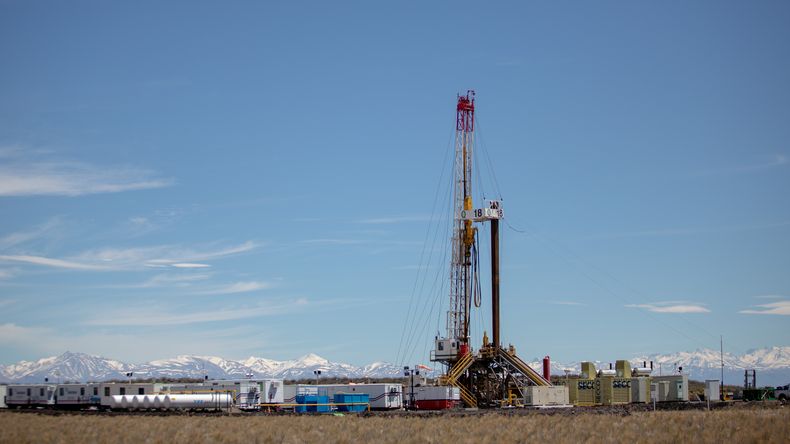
point(381, 396)
point(31, 395)
point(272, 391)
point(77, 395)
point(3, 393)
point(183, 388)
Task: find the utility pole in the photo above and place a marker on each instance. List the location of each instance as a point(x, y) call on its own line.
point(721, 343)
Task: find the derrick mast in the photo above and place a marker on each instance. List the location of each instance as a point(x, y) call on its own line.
point(463, 231)
point(492, 375)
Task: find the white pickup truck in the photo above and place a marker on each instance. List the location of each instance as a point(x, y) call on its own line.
point(782, 393)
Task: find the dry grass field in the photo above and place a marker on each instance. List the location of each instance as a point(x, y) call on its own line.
point(729, 425)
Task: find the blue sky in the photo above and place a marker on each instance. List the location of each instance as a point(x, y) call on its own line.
point(247, 178)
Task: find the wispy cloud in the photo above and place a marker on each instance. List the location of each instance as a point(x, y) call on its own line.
point(52, 262)
point(781, 308)
point(153, 318)
point(26, 173)
point(184, 279)
point(189, 265)
point(21, 237)
point(11, 333)
point(778, 160)
point(159, 256)
point(240, 287)
point(8, 273)
point(186, 256)
point(671, 307)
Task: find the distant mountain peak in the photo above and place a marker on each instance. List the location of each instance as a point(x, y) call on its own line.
point(772, 365)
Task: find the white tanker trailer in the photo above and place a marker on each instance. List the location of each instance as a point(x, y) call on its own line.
point(208, 401)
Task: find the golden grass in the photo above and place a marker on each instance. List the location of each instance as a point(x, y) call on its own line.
point(743, 425)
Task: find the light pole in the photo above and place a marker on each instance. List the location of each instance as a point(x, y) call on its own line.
point(317, 374)
point(409, 373)
point(129, 375)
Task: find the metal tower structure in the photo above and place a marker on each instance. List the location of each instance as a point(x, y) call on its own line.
point(491, 376)
point(463, 240)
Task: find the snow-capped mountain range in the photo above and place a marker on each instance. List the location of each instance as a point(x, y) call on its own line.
point(772, 365)
point(83, 367)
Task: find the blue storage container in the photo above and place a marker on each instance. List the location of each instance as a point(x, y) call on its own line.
point(359, 401)
point(310, 403)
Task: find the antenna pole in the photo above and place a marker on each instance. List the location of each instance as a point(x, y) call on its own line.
point(721, 343)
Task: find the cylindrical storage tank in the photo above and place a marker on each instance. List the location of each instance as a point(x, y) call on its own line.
point(212, 401)
point(148, 401)
point(159, 401)
point(126, 402)
point(116, 401)
point(547, 368)
point(137, 401)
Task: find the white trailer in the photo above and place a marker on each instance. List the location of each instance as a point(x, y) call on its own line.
point(250, 393)
point(31, 395)
point(77, 395)
point(382, 396)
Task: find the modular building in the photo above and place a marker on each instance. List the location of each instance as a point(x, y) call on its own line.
point(31, 395)
point(77, 395)
point(381, 396)
point(542, 396)
point(249, 394)
point(672, 388)
point(384, 396)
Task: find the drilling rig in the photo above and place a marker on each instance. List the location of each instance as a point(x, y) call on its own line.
point(491, 376)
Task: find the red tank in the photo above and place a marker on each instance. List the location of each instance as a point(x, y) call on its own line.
point(547, 368)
